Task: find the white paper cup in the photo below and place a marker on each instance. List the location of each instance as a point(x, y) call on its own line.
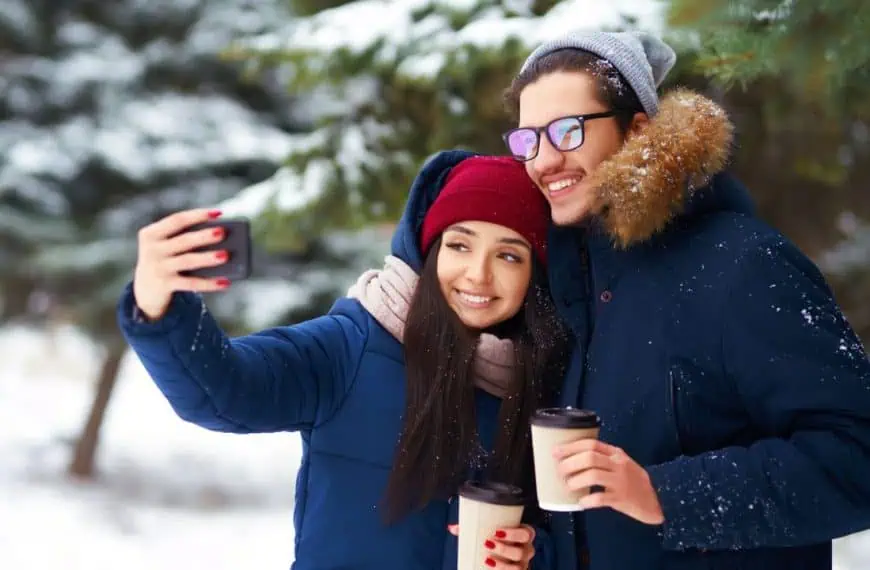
point(552, 427)
point(483, 509)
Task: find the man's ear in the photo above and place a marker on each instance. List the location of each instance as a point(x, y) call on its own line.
point(638, 122)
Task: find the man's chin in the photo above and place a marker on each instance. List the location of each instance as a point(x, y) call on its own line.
point(563, 217)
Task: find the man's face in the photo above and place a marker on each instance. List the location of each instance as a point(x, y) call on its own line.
point(563, 176)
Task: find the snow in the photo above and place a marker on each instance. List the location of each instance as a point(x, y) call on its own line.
point(223, 21)
point(146, 138)
point(417, 39)
point(284, 296)
point(102, 105)
point(423, 65)
point(93, 254)
point(35, 228)
point(170, 132)
point(777, 14)
point(397, 23)
point(170, 495)
point(289, 190)
point(39, 155)
point(111, 63)
point(853, 252)
point(16, 18)
point(285, 190)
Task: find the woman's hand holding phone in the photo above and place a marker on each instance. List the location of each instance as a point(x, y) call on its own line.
point(166, 251)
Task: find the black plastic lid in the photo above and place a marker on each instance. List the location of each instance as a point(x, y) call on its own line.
point(493, 493)
point(570, 418)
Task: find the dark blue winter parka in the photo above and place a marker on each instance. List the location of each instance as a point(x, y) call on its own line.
point(338, 380)
point(717, 358)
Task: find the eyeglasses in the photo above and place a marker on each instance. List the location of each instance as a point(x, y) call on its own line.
point(564, 133)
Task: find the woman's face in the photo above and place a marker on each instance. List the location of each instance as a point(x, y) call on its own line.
point(562, 176)
point(484, 271)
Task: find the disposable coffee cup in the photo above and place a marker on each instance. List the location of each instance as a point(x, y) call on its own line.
point(483, 509)
point(552, 427)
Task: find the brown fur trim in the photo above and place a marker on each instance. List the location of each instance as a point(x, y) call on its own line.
point(646, 183)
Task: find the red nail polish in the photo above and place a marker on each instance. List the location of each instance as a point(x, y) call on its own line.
point(489, 544)
point(214, 214)
point(223, 282)
point(218, 232)
point(221, 255)
point(500, 534)
point(490, 562)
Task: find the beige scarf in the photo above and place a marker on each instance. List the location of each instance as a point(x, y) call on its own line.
point(386, 294)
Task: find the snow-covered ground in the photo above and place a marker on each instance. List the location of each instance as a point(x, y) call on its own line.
point(171, 496)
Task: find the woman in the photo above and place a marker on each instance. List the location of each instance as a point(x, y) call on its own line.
point(737, 433)
point(402, 391)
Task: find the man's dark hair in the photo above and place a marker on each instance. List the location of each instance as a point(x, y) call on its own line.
point(613, 90)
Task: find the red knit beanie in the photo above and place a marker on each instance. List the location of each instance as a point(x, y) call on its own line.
point(491, 189)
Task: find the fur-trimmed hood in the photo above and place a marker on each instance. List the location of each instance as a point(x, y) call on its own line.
point(654, 176)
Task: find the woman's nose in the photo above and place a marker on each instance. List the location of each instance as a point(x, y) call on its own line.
point(478, 270)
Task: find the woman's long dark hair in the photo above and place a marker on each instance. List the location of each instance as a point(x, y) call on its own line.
point(439, 443)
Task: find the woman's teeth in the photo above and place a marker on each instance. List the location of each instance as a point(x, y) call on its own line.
point(475, 299)
point(561, 184)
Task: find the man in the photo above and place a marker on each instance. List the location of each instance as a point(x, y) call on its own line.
point(735, 398)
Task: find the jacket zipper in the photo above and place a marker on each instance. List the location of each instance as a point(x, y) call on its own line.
point(672, 393)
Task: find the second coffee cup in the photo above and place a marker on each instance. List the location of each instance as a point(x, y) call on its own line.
point(483, 509)
point(552, 427)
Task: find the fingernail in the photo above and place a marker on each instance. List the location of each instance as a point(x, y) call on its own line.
point(217, 232)
point(221, 255)
point(213, 214)
point(223, 282)
point(489, 544)
point(490, 562)
point(500, 534)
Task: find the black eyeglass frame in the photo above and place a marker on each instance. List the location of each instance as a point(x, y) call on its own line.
point(546, 130)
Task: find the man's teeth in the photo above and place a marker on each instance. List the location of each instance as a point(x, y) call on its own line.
point(561, 184)
point(474, 298)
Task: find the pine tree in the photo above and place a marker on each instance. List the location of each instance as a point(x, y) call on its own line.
point(128, 116)
point(389, 83)
point(309, 7)
point(32, 213)
point(820, 46)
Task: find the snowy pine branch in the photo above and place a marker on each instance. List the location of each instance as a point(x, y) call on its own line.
point(819, 46)
point(387, 83)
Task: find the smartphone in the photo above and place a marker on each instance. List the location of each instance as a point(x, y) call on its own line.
point(237, 243)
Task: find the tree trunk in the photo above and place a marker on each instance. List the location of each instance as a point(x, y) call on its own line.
point(83, 464)
point(14, 292)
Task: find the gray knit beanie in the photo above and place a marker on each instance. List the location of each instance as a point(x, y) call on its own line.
point(643, 59)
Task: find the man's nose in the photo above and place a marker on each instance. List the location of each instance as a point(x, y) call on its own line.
point(549, 159)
